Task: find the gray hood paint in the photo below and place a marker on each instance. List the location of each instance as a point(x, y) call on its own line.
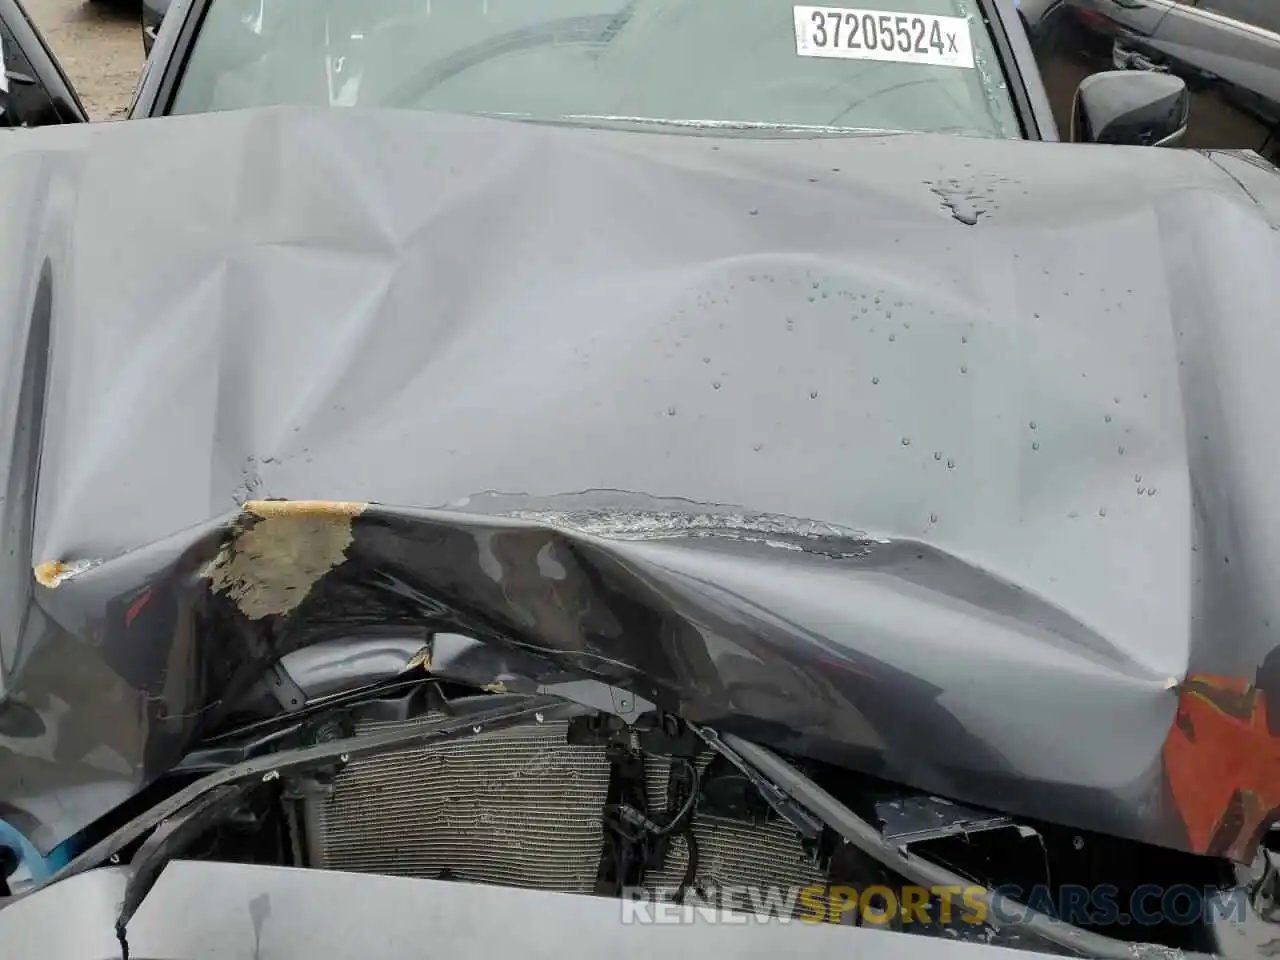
point(1025, 388)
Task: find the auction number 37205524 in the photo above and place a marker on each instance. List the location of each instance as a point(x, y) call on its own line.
point(843, 33)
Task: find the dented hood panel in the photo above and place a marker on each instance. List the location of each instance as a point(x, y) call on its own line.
point(948, 460)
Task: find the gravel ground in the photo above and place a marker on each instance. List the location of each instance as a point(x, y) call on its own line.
point(99, 44)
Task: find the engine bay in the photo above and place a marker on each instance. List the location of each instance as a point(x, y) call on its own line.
point(457, 783)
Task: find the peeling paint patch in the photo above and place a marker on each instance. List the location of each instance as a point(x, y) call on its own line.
point(279, 550)
point(54, 573)
point(420, 659)
point(1222, 764)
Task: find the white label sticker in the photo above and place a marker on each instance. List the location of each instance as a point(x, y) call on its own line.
point(846, 34)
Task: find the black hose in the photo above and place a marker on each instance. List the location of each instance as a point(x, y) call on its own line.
point(695, 787)
point(691, 864)
point(633, 817)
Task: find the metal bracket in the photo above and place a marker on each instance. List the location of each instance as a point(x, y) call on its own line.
point(170, 837)
point(915, 818)
point(307, 787)
point(809, 826)
point(600, 696)
point(288, 694)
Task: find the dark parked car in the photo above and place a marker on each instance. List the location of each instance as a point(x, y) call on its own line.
point(671, 455)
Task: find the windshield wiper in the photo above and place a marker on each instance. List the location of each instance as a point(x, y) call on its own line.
point(698, 126)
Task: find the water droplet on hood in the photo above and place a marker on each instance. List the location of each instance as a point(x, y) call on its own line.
point(671, 411)
point(951, 464)
point(906, 441)
point(1102, 511)
point(1033, 424)
point(813, 394)
point(875, 379)
point(937, 454)
point(1108, 418)
point(961, 206)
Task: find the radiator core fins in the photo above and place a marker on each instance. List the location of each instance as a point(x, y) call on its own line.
point(519, 807)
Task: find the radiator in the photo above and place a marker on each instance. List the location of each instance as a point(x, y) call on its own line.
point(730, 853)
point(519, 807)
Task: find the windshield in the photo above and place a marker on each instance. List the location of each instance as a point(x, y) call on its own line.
point(919, 65)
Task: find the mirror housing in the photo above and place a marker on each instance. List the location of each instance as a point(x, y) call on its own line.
point(153, 12)
point(1133, 107)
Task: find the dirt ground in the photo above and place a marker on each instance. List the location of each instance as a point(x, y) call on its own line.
point(99, 44)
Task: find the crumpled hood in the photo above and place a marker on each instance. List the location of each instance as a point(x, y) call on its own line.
point(951, 460)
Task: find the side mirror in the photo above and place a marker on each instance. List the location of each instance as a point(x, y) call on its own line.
point(1134, 107)
point(153, 12)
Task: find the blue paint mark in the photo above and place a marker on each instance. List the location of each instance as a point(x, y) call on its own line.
point(63, 854)
point(27, 853)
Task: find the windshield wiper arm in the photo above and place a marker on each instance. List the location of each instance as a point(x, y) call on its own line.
point(726, 126)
